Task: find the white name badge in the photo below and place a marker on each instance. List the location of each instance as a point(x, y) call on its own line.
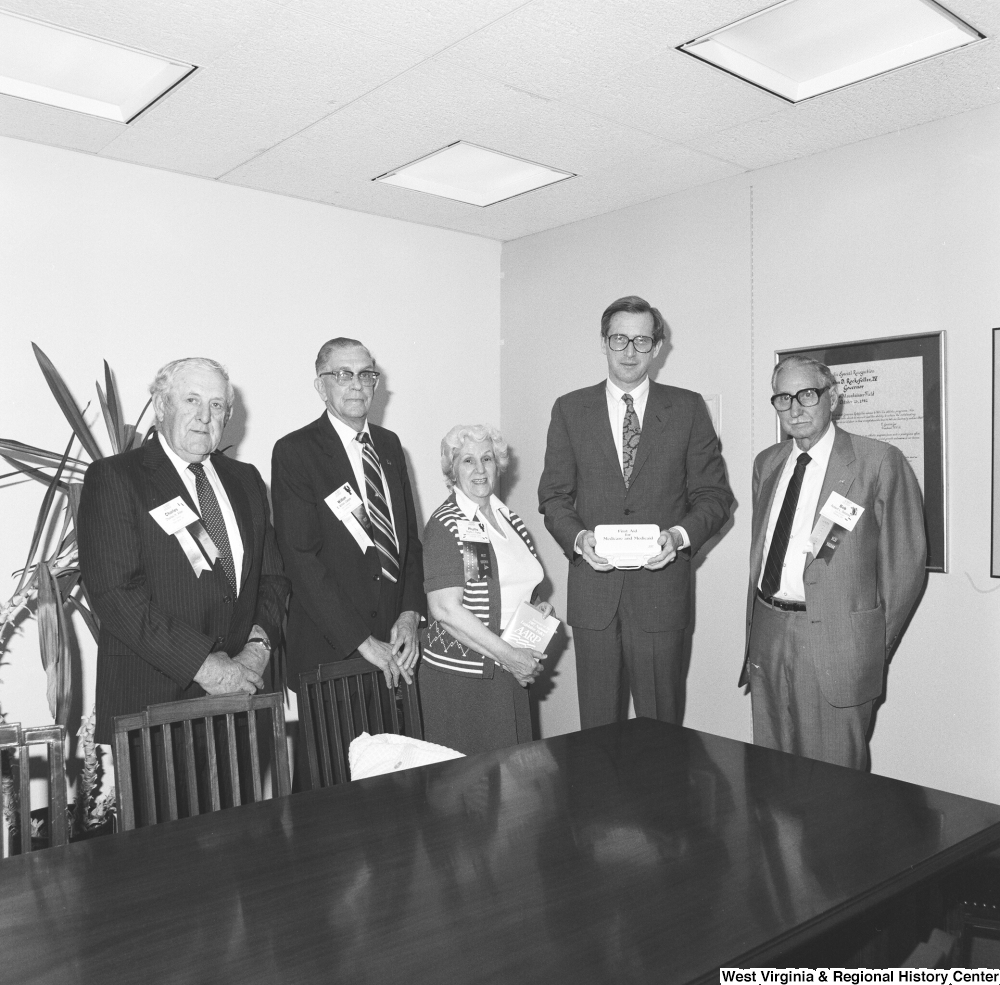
point(343, 502)
point(472, 533)
point(173, 516)
point(178, 520)
point(837, 517)
point(627, 545)
point(842, 511)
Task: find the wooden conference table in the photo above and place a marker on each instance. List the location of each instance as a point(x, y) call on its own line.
point(639, 852)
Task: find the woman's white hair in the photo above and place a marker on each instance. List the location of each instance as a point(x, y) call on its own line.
point(455, 439)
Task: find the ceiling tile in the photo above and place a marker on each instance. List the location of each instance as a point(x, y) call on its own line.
point(27, 120)
point(258, 93)
point(673, 96)
point(930, 90)
point(426, 26)
point(193, 31)
point(426, 109)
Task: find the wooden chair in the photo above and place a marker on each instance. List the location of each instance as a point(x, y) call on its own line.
point(196, 756)
point(337, 702)
point(15, 744)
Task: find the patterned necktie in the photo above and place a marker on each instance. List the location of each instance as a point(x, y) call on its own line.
point(630, 437)
point(211, 516)
point(783, 530)
point(378, 510)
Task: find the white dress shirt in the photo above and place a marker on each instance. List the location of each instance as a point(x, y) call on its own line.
point(519, 572)
point(792, 573)
point(355, 453)
point(228, 516)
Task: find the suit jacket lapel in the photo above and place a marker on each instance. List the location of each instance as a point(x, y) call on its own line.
point(765, 498)
point(597, 422)
point(654, 421)
point(840, 474)
point(165, 483)
point(333, 447)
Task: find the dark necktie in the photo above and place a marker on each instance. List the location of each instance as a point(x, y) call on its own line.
point(630, 437)
point(783, 529)
point(378, 510)
point(211, 516)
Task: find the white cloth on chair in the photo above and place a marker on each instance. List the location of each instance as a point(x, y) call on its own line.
point(373, 755)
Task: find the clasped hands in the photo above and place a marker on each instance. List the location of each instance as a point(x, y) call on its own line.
point(669, 541)
point(222, 674)
point(399, 656)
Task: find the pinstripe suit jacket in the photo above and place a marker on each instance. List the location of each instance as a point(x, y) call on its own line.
point(678, 479)
point(336, 589)
point(159, 620)
point(858, 601)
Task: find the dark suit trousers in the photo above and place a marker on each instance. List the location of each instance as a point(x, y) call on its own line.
point(789, 710)
point(655, 664)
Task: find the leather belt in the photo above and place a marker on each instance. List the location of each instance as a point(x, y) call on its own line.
point(782, 604)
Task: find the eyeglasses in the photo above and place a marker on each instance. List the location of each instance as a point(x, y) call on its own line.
point(367, 377)
point(641, 343)
point(808, 397)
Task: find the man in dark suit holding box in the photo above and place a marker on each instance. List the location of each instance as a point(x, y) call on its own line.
point(178, 556)
point(629, 451)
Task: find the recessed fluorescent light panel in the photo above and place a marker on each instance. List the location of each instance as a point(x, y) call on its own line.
point(467, 173)
point(53, 65)
point(801, 48)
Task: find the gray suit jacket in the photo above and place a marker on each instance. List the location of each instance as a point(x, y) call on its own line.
point(859, 600)
point(678, 478)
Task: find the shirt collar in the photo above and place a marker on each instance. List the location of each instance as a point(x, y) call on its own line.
point(179, 463)
point(640, 391)
point(346, 432)
point(470, 507)
point(821, 451)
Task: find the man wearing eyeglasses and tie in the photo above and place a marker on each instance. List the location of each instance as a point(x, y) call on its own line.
point(836, 565)
point(629, 451)
point(347, 528)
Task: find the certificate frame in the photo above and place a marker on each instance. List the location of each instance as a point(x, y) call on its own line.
point(930, 347)
point(995, 486)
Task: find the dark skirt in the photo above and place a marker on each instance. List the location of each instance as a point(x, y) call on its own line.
point(471, 714)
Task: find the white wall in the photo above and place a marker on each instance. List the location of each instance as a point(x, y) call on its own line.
point(890, 236)
point(103, 260)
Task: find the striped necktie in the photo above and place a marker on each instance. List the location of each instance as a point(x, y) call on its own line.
point(378, 510)
point(211, 516)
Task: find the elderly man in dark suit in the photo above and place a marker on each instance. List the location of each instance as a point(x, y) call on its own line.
point(629, 451)
point(839, 519)
point(347, 528)
point(178, 556)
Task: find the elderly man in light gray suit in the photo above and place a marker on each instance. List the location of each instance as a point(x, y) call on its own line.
point(836, 565)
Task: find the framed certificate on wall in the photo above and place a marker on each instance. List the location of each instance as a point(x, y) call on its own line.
point(893, 389)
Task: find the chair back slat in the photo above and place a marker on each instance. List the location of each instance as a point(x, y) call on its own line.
point(191, 774)
point(170, 772)
point(214, 798)
point(196, 748)
point(15, 750)
point(234, 766)
point(337, 702)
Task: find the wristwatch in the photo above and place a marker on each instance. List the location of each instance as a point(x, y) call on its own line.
point(262, 641)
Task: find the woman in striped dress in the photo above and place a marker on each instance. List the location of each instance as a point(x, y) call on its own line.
point(479, 564)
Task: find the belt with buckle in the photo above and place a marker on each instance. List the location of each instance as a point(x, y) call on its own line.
point(781, 604)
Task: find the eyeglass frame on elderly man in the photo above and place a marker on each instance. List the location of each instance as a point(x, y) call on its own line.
point(798, 397)
point(345, 377)
point(647, 340)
